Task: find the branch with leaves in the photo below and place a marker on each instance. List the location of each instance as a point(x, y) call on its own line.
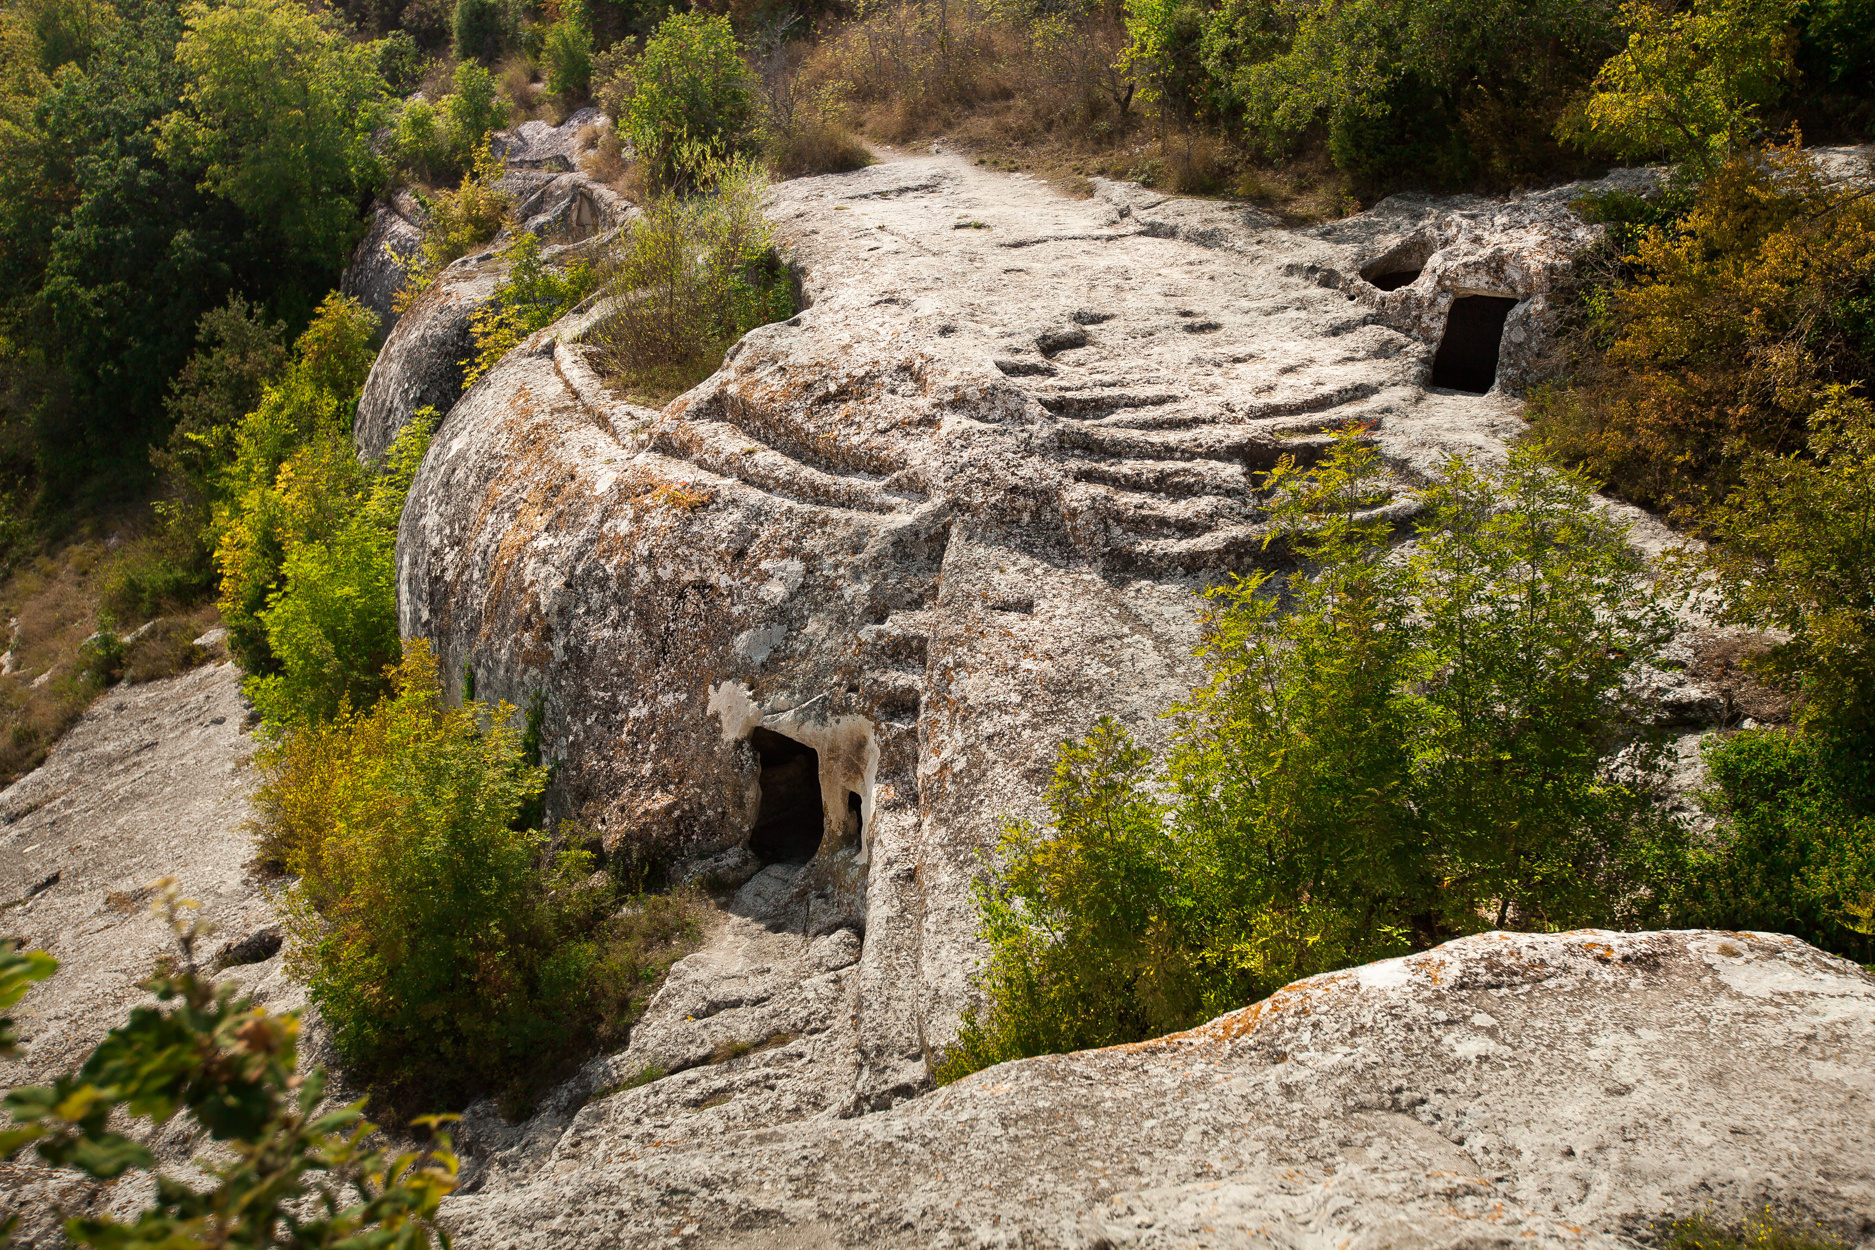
point(297, 1176)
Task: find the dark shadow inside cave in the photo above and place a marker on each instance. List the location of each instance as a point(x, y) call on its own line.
point(1467, 356)
point(1395, 280)
point(790, 821)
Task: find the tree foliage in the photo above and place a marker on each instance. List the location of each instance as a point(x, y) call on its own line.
point(297, 1177)
point(450, 948)
point(534, 295)
point(279, 112)
point(691, 99)
point(1392, 749)
point(1722, 335)
point(1690, 84)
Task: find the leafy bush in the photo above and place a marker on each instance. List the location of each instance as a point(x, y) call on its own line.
point(1723, 336)
point(1416, 748)
point(691, 100)
point(1439, 93)
point(566, 56)
point(296, 1178)
point(1796, 849)
point(458, 222)
point(694, 274)
point(294, 476)
point(1796, 554)
point(534, 296)
point(448, 950)
point(437, 141)
point(482, 29)
point(291, 145)
point(331, 624)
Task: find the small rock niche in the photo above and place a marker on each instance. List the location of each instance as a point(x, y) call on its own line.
point(1474, 331)
point(791, 820)
point(1393, 280)
point(1401, 266)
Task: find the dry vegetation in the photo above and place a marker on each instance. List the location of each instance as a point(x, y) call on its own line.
point(1039, 97)
point(51, 605)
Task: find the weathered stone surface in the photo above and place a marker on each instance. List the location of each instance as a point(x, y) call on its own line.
point(1565, 1090)
point(425, 359)
point(423, 362)
point(380, 262)
point(931, 526)
point(153, 782)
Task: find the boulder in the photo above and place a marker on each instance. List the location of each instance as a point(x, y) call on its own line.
point(381, 261)
point(1557, 1090)
point(424, 360)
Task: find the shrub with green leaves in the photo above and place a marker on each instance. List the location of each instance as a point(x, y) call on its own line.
point(1795, 848)
point(1690, 83)
point(450, 951)
point(296, 1177)
point(1393, 748)
point(1440, 93)
point(459, 221)
point(438, 141)
point(566, 57)
point(305, 534)
point(694, 274)
point(691, 100)
point(534, 295)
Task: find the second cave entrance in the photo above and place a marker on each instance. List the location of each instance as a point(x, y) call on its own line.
point(791, 819)
point(1474, 330)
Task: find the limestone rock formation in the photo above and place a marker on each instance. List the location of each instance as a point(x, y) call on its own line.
point(1562, 1090)
point(423, 361)
point(152, 783)
point(381, 261)
point(837, 605)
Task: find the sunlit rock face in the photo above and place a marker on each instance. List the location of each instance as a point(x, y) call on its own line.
point(812, 633)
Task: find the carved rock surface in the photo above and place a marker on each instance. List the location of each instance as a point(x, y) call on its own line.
point(814, 630)
point(1562, 1090)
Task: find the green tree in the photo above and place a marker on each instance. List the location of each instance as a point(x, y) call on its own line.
point(1444, 91)
point(1795, 553)
point(1689, 84)
point(481, 29)
point(1393, 748)
point(692, 98)
point(109, 255)
point(293, 478)
point(534, 295)
point(566, 56)
point(278, 112)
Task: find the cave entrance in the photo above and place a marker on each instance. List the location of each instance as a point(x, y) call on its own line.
point(790, 821)
point(1394, 280)
point(1467, 356)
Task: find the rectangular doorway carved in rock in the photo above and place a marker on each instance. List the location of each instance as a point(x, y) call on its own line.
point(791, 819)
point(1467, 356)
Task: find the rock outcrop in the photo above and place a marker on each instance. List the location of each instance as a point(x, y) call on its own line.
point(814, 630)
point(905, 543)
point(1565, 1090)
point(153, 782)
point(426, 354)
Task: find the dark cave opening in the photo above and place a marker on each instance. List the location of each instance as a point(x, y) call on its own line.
point(1467, 356)
point(790, 821)
point(855, 819)
point(1395, 280)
